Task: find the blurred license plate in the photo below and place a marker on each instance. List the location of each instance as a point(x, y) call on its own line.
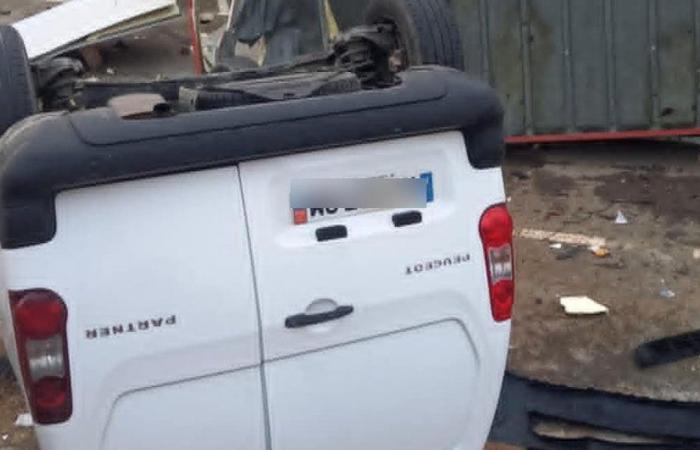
point(309, 215)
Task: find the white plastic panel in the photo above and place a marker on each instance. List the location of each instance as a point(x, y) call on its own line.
point(148, 251)
point(188, 416)
point(76, 19)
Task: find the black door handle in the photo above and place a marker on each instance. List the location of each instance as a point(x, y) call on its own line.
point(304, 320)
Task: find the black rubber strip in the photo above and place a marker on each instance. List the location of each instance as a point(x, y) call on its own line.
point(668, 350)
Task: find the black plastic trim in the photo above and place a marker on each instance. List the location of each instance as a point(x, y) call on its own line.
point(331, 233)
point(407, 218)
point(47, 154)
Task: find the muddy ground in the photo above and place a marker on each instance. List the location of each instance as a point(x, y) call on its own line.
point(576, 189)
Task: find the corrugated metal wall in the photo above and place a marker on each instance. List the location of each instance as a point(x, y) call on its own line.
point(565, 66)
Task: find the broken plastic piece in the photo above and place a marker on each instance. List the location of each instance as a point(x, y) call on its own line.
point(696, 253)
point(665, 292)
point(24, 420)
point(582, 306)
point(620, 219)
point(564, 238)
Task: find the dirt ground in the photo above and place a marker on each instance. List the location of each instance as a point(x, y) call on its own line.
point(580, 189)
point(12, 404)
point(574, 189)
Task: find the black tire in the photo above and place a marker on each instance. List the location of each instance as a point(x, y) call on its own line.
point(426, 30)
point(17, 95)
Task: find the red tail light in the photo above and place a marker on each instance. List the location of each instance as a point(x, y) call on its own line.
point(496, 229)
point(40, 318)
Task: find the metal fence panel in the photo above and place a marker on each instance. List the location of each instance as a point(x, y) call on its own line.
point(676, 54)
point(589, 74)
point(568, 66)
point(503, 60)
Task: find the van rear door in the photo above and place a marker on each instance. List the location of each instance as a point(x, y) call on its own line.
point(406, 354)
point(162, 330)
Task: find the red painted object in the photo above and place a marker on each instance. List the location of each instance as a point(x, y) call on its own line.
point(601, 136)
point(194, 37)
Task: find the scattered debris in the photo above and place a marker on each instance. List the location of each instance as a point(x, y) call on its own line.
point(582, 306)
point(110, 71)
point(665, 292)
point(5, 12)
point(24, 420)
point(600, 251)
point(667, 350)
point(696, 253)
point(620, 219)
point(556, 246)
point(4, 437)
point(564, 238)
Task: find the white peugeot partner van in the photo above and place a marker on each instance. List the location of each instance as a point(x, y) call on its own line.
point(161, 292)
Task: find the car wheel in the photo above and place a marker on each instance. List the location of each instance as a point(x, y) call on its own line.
point(425, 30)
point(17, 94)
